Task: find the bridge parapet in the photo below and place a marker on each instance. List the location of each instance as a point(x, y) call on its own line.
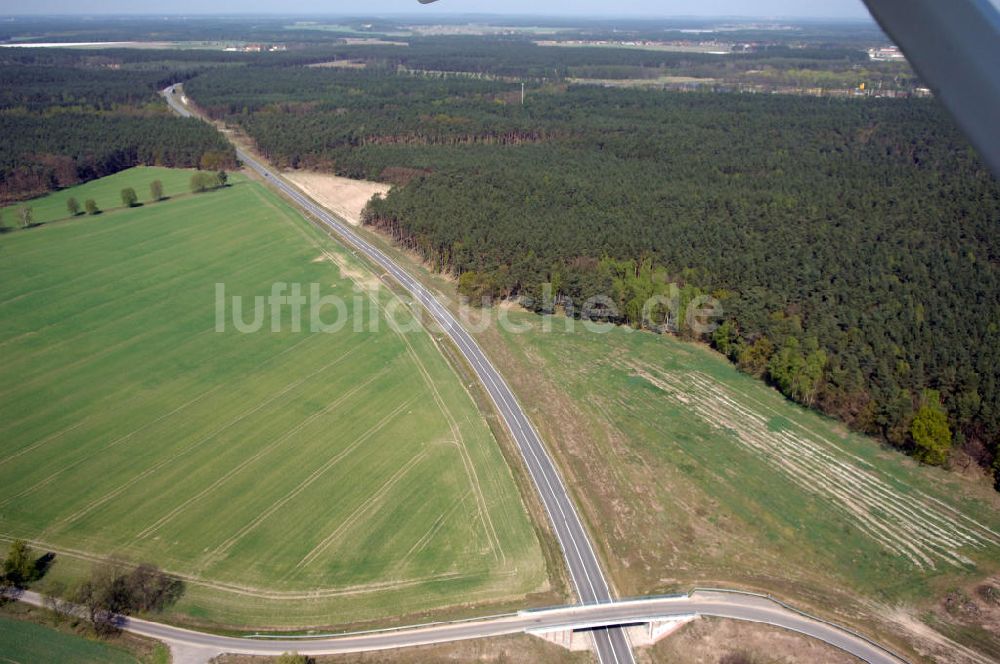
point(641, 632)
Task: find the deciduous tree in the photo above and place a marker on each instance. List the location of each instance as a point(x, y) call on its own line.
point(19, 566)
point(930, 431)
point(26, 215)
point(203, 181)
point(129, 197)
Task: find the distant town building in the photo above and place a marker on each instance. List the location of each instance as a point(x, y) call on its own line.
point(886, 54)
point(256, 48)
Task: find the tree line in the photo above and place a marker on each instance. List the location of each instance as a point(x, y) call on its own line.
point(200, 182)
point(113, 589)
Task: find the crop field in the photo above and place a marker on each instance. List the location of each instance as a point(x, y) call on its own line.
point(291, 478)
point(701, 475)
point(23, 642)
point(106, 192)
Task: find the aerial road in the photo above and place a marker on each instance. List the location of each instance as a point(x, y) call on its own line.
point(598, 608)
point(192, 646)
point(581, 561)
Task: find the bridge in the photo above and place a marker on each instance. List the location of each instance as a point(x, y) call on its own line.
point(642, 631)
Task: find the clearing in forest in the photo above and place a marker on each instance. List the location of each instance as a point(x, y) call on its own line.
point(345, 197)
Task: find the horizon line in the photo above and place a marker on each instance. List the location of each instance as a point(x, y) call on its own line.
point(456, 15)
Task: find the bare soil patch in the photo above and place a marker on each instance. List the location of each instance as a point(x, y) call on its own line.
point(711, 640)
point(363, 278)
point(343, 196)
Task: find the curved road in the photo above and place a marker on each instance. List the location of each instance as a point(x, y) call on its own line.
point(584, 567)
point(598, 606)
point(701, 603)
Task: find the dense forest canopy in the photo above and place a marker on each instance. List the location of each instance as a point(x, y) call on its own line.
point(61, 125)
point(39, 88)
point(853, 243)
point(523, 59)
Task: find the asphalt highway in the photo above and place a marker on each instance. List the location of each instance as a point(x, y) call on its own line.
point(583, 565)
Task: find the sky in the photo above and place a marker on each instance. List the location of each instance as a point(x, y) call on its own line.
point(845, 9)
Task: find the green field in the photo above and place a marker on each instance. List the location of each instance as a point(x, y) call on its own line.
point(292, 478)
point(22, 642)
point(696, 474)
point(106, 192)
